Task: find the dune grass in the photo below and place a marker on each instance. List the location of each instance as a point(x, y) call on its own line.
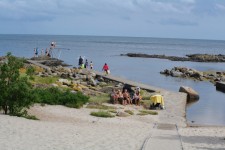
point(103, 98)
point(104, 114)
point(147, 112)
point(100, 106)
point(129, 112)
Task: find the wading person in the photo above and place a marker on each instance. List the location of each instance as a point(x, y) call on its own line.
point(106, 69)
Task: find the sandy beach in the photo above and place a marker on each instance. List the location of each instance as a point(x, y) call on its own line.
point(65, 128)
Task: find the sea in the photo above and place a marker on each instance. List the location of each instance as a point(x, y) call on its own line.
point(208, 110)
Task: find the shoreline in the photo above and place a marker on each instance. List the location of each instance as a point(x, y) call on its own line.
point(79, 130)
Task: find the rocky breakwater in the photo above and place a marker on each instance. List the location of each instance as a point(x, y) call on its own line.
point(184, 72)
point(192, 57)
point(75, 79)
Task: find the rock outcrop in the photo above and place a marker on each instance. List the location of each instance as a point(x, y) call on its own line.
point(192, 57)
point(185, 72)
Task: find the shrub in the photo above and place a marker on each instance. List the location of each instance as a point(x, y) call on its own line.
point(15, 90)
point(104, 114)
point(55, 96)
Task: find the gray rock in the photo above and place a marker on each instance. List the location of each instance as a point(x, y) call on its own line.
point(191, 94)
point(176, 74)
point(65, 75)
point(100, 79)
point(92, 82)
point(64, 81)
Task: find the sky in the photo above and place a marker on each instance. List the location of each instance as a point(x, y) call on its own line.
point(191, 19)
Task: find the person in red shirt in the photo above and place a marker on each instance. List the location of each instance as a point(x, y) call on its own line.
point(106, 68)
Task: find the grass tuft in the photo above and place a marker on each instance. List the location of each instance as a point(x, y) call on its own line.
point(129, 112)
point(147, 112)
point(103, 98)
point(100, 106)
point(104, 114)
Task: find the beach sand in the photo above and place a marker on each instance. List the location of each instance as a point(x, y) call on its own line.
point(62, 128)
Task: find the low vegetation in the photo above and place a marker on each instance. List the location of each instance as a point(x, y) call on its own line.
point(104, 114)
point(56, 96)
point(147, 112)
point(103, 98)
point(100, 106)
point(129, 112)
point(16, 91)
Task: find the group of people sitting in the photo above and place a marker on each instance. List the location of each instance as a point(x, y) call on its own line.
point(124, 98)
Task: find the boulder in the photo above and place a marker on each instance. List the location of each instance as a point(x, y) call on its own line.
point(64, 81)
point(176, 73)
point(191, 94)
point(220, 86)
point(92, 82)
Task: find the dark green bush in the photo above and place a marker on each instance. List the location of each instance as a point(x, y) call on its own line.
point(56, 96)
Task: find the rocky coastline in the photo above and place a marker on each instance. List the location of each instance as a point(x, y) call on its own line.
point(184, 72)
point(191, 57)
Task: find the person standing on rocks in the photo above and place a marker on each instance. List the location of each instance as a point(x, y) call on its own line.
point(35, 52)
point(91, 65)
point(81, 61)
point(86, 64)
point(106, 69)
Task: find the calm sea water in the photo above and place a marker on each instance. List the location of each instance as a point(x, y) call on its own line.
point(210, 109)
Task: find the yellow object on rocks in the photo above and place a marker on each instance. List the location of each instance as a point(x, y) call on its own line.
point(155, 99)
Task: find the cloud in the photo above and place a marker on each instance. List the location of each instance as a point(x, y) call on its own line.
point(36, 10)
point(173, 21)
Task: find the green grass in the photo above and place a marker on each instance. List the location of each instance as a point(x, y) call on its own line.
point(112, 110)
point(104, 114)
point(103, 98)
point(31, 117)
point(147, 112)
point(100, 106)
point(129, 112)
point(142, 114)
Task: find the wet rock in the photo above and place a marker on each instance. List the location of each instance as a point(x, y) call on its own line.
point(220, 86)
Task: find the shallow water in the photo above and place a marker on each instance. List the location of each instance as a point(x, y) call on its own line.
point(208, 110)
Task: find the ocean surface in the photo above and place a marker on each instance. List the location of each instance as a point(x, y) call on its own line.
point(209, 110)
